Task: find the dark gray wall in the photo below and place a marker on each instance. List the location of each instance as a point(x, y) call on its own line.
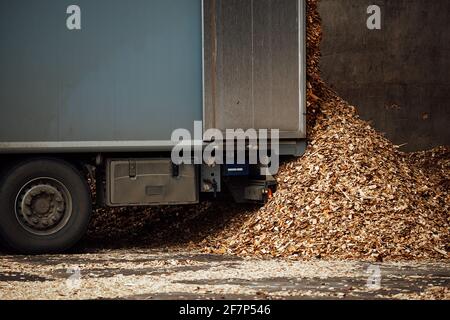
point(399, 76)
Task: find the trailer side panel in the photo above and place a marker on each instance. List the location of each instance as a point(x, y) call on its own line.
point(132, 73)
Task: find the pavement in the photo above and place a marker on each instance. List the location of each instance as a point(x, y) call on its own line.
point(175, 273)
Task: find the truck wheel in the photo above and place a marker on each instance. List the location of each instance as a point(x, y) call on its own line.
point(45, 206)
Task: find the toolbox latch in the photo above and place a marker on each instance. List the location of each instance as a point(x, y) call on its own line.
point(132, 169)
point(175, 170)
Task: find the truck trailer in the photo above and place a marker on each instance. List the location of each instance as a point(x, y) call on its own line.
point(93, 92)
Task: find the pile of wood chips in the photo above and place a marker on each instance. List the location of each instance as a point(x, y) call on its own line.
point(353, 195)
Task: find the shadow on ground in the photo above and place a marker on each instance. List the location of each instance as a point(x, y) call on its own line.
point(159, 227)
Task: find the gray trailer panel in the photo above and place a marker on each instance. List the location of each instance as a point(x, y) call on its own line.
point(132, 73)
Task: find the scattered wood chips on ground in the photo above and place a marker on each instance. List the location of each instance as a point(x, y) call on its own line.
point(353, 195)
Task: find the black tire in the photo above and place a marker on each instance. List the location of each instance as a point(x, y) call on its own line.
point(32, 187)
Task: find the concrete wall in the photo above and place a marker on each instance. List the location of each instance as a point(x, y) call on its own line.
point(399, 76)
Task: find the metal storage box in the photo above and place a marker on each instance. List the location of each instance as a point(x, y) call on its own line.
point(150, 181)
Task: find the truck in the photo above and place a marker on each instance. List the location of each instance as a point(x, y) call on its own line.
point(96, 96)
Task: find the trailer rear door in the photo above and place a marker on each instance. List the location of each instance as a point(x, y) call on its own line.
point(255, 65)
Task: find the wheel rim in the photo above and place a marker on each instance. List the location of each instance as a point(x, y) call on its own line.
point(43, 206)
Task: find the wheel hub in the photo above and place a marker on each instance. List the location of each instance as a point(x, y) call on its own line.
point(42, 206)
